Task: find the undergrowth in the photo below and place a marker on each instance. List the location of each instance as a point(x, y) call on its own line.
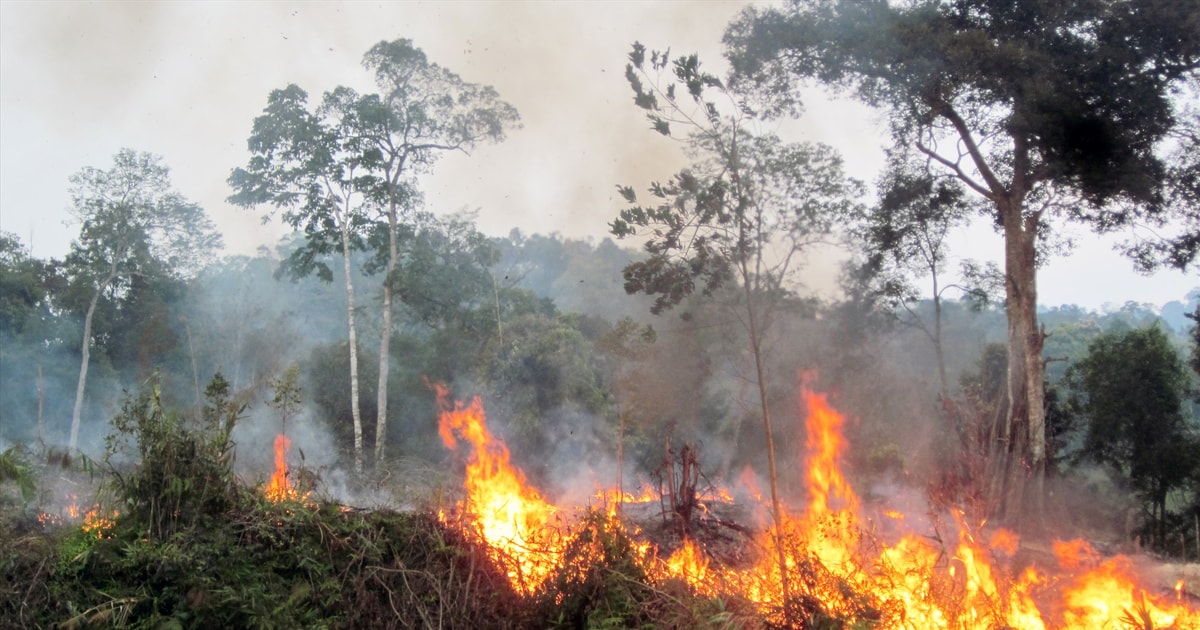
point(176, 541)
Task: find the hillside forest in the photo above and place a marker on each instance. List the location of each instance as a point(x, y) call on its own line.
point(300, 404)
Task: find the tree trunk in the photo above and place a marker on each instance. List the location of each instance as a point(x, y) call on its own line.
point(620, 456)
point(354, 412)
point(937, 338)
point(195, 371)
point(776, 505)
point(1017, 466)
point(86, 352)
point(41, 393)
point(385, 337)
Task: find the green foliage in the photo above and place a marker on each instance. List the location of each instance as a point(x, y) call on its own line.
point(181, 478)
point(1131, 389)
point(327, 379)
point(746, 193)
point(264, 566)
point(985, 383)
point(287, 397)
point(442, 277)
point(23, 285)
point(192, 549)
point(546, 376)
point(13, 469)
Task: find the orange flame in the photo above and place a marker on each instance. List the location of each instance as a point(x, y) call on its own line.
point(689, 563)
point(963, 586)
point(280, 488)
point(510, 515)
point(916, 580)
point(93, 521)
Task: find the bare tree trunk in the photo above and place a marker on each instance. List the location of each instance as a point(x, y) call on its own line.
point(385, 337)
point(353, 333)
point(768, 431)
point(937, 338)
point(620, 456)
point(41, 392)
point(1019, 444)
point(86, 351)
point(192, 353)
point(499, 323)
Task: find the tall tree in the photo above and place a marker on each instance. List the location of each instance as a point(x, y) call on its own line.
point(742, 214)
point(308, 165)
point(1048, 109)
point(351, 167)
point(422, 112)
point(1194, 357)
point(133, 223)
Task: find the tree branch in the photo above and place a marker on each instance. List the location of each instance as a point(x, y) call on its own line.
point(943, 109)
point(958, 172)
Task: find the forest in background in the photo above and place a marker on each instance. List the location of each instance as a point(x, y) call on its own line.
point(542, 328)
point(193, 376)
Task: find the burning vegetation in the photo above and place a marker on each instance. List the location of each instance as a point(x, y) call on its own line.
point(684, 551)
point(845, 564)
point(786, 530)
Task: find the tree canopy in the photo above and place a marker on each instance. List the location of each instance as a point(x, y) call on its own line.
point(1132, 387)
point(133, 225)
point(1049, 110)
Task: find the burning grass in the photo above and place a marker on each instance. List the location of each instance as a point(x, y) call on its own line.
point(506, 556)
point(842, 571)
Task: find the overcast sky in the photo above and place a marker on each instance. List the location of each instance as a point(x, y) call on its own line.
point(79, 81)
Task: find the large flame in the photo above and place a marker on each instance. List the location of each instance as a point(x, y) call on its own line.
point(280, 487)
point(510, 515)
point(922, 580)
point(944, 573)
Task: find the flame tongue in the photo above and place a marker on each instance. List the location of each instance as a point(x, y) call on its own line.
point(510, 515)
point(918, 579)
point(279, 488)
point(826, 485)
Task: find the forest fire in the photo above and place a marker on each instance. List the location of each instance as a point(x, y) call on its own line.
point(837, 563)
point(280, 488)
point(510, 515)
point(93, 521)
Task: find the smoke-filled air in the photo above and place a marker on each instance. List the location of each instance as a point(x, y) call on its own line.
point(725, 366)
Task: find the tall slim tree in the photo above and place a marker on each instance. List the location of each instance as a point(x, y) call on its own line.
point(422, 112)
point(904, 237)
point(1194, 355)
point(742, 214)
point(308, 166)
point(623, 351)
point(133, 223)
point(1050, 110)
point(351, 168)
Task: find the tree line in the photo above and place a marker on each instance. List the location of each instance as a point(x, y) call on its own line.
point(1030, 117)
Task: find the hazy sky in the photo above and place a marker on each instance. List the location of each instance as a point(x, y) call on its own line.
point(79, 81)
